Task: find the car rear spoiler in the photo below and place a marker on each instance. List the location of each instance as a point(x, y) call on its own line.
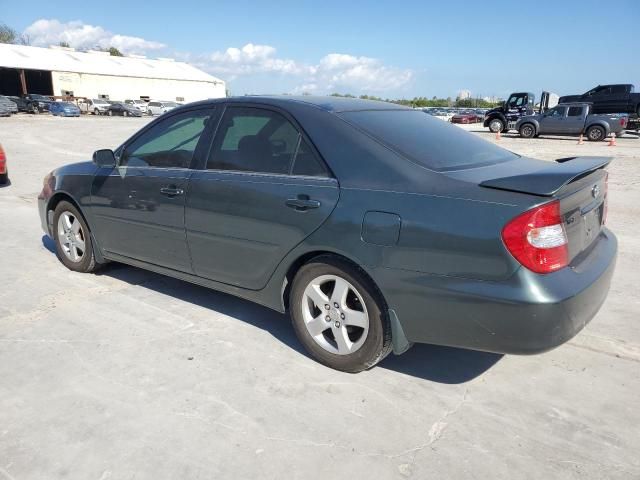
point(549, 179)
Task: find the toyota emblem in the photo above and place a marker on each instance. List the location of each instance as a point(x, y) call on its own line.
point(595, 191)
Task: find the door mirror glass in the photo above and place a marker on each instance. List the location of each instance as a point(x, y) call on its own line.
point(104, 158)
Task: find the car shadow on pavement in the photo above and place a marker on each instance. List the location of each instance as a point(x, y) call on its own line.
point(429, 362)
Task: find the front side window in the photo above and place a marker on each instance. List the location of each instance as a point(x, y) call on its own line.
point(256, 140)
point(168, 144)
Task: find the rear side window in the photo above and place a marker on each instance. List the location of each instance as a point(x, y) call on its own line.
point(168, 144)
point(427, 141)
point(575, 111)
point(263, 141)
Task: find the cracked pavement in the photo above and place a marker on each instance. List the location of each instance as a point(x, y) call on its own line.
point(127, 374)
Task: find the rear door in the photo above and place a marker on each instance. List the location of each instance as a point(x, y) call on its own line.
point(262, 190)
point(139, 205)
point(576, 116)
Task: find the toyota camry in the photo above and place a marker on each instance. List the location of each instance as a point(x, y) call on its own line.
point(373, 225)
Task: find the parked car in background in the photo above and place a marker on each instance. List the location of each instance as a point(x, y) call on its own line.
point(618, 98)
point(139, 104)
point(39, 103)
point(445, 115)
point(465, 117)
point(316, 206)
point(124, 110)
point(22, 103)
point(4, 111)
point(4, 170)
point(158, 108)
point(97, 106)
point(64, 109)
point(571, 119)
point(8, 104)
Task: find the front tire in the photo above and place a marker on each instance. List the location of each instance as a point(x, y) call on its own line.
point(339, 315)
point(596, 133)
point(496, 125)
point(527, 131)
point(74, 247)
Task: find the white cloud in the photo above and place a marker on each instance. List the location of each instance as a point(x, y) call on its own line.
point(253, 59)
point(80, 35)
point(253, 62)
point(335, 71)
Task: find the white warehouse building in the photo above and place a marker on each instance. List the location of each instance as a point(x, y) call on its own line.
point(60, 71)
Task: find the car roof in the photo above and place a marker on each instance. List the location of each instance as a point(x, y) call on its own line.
point(328, 104)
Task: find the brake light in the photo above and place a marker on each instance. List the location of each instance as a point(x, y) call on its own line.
point(537, 239)
point(623, 121)
point(605, 207)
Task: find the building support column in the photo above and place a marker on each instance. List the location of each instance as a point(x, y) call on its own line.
point(23, 82)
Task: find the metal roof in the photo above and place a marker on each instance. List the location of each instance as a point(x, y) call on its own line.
point(60, 59)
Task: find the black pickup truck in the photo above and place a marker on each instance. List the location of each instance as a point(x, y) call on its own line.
point(619, 98)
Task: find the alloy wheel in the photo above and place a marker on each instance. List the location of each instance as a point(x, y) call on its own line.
point(335, 314)
point(71, 237)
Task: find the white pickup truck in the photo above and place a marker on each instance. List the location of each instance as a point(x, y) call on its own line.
point(97, 106)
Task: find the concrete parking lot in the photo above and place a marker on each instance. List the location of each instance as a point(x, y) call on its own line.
point(128, 374)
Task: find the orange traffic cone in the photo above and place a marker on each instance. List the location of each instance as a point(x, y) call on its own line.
point(580, 140)
point(612, 140)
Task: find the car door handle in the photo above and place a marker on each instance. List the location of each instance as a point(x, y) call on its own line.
point(171, 191)
point(302, 203)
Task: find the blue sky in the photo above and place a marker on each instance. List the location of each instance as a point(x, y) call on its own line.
point(390, 49)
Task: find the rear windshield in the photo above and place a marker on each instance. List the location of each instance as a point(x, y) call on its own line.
point(428, 141)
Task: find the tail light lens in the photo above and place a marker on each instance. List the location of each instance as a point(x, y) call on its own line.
point(605, 207)
point(3, 160)
point(537, 239)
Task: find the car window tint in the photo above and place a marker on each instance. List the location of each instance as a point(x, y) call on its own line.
point(306, 163)
point(557, 112)
point(253, 140)
point(575, 111)
point(168, 144)
point(427, 141)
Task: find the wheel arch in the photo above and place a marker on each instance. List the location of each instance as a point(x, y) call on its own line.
point(309, 256)
point(53, 202)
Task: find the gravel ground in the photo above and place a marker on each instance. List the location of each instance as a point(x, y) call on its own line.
point(127, 374)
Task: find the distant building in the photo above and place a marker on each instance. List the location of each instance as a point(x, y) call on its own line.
point(60, 71)
point(464, 94)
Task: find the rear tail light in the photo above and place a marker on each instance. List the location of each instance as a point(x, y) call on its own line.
point(537, 239)
point(605, 207)
point(623, 122)
point(3, 160)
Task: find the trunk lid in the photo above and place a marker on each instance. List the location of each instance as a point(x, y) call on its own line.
point(578, 183)
point(550, 177)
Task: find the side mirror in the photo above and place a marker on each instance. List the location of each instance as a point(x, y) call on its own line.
point(104, 158)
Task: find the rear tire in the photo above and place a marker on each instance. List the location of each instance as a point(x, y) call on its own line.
point(125, 114)
point(527, 130)
point(72, 237)
point(596, 133)
point(352, 337)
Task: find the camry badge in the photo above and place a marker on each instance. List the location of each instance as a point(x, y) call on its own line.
point(595, 191)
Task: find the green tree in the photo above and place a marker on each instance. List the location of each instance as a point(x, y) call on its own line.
point(64, 44)
point(114, 52)
point(7, 34)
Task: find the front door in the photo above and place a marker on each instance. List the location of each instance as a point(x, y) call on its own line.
point(139, 206)
point(554, 120)
point(262, 191)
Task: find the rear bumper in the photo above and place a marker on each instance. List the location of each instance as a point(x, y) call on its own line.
point(526, 314)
